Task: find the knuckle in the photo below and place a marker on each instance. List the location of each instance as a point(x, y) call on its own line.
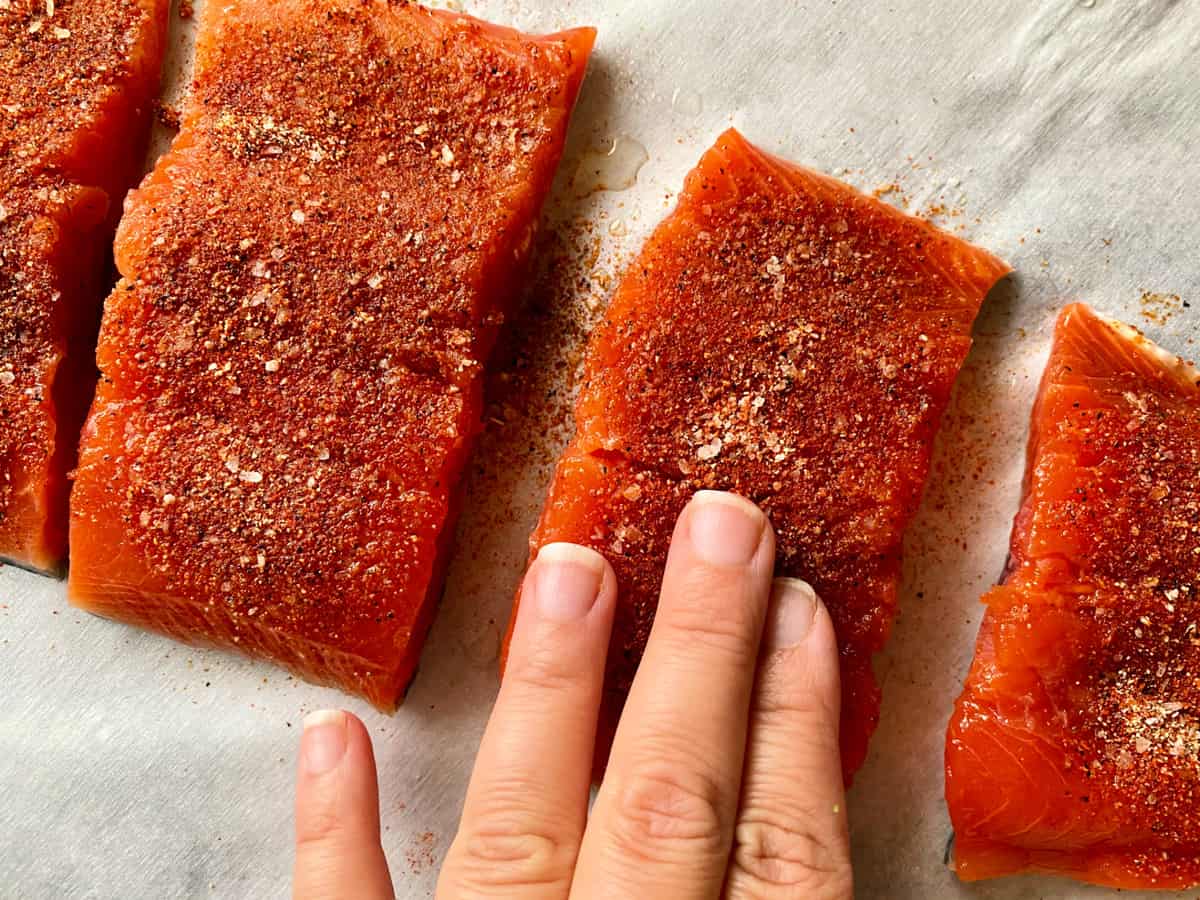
point(774, 852)
point(664, 813)
point(721, 621)
point(544, 671)
point(801, 704)
point(510, 854)
point(317, 828)
point(791, 691)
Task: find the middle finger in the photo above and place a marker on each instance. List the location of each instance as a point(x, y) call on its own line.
point(662, 824)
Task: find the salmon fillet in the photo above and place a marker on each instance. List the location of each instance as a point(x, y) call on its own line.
point(786, 337)
point(77, 78)
point(1075, 746)
point(313, 278)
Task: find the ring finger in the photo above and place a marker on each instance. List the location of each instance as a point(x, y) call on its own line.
point(527, 801)
point(791, 838)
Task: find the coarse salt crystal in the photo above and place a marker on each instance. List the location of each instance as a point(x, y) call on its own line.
point(447, 155)
point(271, 365)
point(375, 281)
point(298, 216)
point(7, 377)
point(250, 476)
point(709, 450)
point(232, 465)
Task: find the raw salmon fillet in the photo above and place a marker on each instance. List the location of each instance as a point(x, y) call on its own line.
point(77, 78)
point(786, 337)
point(313, 277)
point(1075, 746)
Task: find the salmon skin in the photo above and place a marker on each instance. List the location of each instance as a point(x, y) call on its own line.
point(77, 79)
point(313, 277)
point(1075, 746)
point(786, 337)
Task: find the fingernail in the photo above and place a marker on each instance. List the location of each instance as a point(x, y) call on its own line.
point(323, 743)
point(725, 529)
point(567, 579)
point(791, 613)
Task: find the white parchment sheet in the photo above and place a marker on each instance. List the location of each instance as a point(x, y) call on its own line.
point(1060, 134)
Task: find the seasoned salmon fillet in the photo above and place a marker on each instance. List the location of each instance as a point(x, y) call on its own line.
point(1075, 746)
point(77, 78)
point(313, 278)
point(786, 337)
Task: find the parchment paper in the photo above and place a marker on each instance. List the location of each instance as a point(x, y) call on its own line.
point(1060, 134)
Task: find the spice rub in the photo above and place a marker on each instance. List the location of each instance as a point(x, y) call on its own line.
point(76, 82)
point(313, 278)
point(791, 339)
point(1075, 746)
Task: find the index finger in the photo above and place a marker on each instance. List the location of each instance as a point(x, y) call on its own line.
point(527, 802)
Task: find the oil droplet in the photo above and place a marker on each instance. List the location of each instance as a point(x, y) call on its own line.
point(613, 168)
point(1087, 4)
point(687, 102)
point(617, 228)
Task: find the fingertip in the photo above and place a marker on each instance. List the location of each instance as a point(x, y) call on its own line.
point(566, 583)
point(357, 735)
point(724, 529)
point(337, 809)
point(727, 498)
point(796, 615)
point(560, 553)
point(323, 741)
point(800, 647)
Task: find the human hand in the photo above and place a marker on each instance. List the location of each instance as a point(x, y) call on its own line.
point(724, 779)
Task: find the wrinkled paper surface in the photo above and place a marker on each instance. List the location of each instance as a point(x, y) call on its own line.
point(1060, 134)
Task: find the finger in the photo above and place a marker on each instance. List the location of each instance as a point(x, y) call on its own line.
point(791, 838)
point(662, 825)
point(338, 854)
point(526, 806)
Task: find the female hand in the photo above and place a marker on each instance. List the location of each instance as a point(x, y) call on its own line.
point(724, 779)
